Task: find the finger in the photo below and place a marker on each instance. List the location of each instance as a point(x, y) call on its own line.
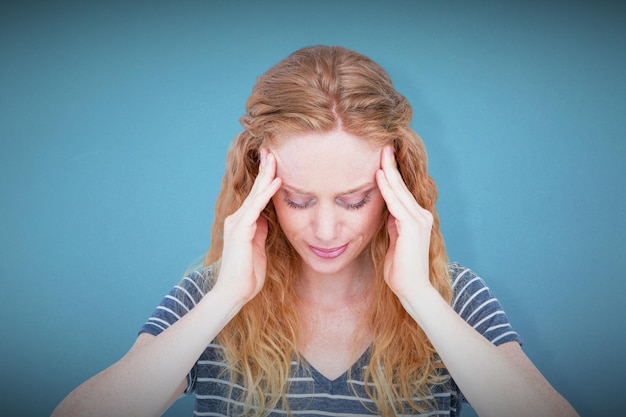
point(267, 171)
point(260, 235)
point(269, 182)
point(392, 229)
point(395, 206)
point(403, 196)
point(265, 186)
point(395, 180)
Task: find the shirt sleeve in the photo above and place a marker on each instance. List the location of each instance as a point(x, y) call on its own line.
point(475, 303)
point(178, 302)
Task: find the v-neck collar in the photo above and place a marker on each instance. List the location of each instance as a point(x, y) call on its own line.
point(343, 377)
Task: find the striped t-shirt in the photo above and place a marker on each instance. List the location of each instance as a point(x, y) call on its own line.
point(310, 394)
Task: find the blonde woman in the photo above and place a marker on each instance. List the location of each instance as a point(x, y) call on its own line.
point(327, 289)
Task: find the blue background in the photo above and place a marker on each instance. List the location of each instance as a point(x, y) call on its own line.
point(115, 119)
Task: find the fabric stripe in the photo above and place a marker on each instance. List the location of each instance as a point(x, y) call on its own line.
point(309, 393)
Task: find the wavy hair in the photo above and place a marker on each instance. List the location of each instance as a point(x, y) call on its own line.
point(319, 89)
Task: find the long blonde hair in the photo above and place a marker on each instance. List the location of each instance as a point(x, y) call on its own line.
point(318, 89)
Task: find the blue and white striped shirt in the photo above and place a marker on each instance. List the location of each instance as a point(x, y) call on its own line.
point(310, 394)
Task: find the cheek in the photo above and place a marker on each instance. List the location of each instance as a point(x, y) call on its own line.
point(371, 219)
point(288, 218)
point(377, 214)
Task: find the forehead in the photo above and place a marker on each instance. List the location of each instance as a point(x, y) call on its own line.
point(319, 162)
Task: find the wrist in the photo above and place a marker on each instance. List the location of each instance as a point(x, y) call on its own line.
point(422, 303)
point(221, 305)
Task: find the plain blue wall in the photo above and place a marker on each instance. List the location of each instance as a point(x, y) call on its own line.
point(115, 120)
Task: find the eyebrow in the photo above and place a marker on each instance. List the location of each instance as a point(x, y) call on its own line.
point(364, 187)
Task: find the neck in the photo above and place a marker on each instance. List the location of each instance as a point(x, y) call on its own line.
point(340, 289)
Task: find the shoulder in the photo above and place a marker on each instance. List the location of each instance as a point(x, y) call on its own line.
point(197, 282)
point(465, 283)
point(183, 297)
point(460, 274)
point(474, 301)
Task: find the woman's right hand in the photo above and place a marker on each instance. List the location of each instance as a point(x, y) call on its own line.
point(242, 270)
point(121, 387)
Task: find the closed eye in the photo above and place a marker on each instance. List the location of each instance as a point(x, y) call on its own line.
point(358, 204)
point(300, 206)
point(346, 202)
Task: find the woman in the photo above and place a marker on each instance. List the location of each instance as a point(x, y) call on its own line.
point(327, 289)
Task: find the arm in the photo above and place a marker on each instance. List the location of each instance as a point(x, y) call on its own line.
point(149, 378)
point(152, 375)
point(497, 381)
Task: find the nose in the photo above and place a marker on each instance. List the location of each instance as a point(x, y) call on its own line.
point(326, 222)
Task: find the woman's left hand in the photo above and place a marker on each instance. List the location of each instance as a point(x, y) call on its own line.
point(409, 225)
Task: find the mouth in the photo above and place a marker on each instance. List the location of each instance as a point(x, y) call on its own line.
point(329, 253)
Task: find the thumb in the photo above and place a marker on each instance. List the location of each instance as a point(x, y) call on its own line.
point(260, 233)
point(392, 229)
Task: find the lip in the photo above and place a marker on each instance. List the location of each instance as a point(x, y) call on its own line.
point(329, 253)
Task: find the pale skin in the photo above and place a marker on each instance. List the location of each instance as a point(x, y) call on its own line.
point(328, 193)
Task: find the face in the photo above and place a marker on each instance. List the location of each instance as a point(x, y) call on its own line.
point(329, 205)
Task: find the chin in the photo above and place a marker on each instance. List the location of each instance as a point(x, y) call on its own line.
point(328, 266)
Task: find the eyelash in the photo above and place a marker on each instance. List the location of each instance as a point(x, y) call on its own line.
point(353, 206)
point(295, 205)
point(359, 204)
